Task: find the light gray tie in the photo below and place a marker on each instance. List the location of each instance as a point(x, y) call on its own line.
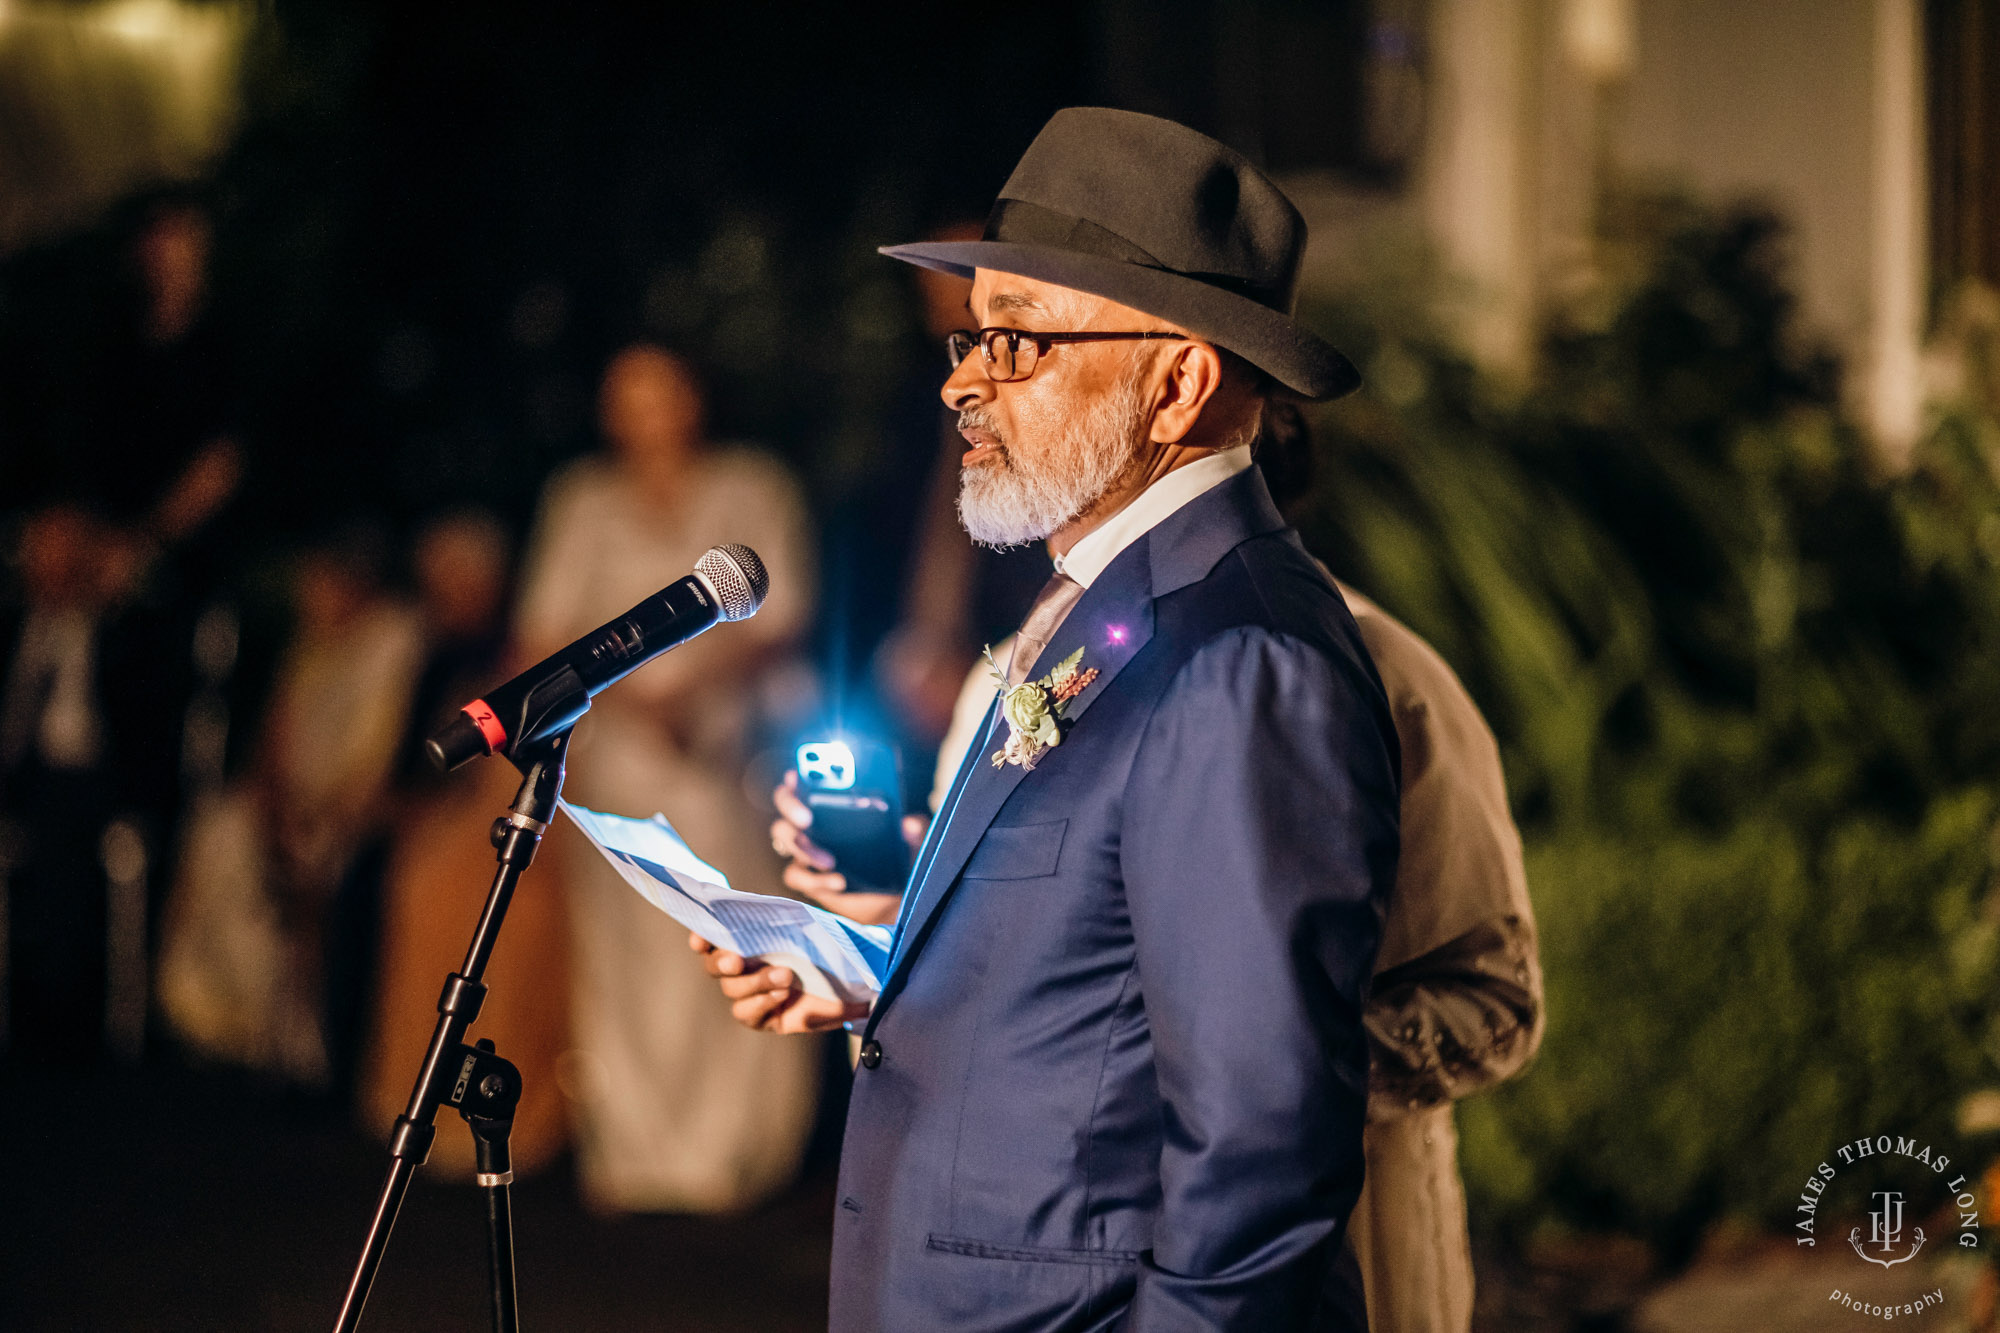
point(1045, 617)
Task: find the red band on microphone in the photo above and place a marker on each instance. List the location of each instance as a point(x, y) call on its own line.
point(488, 723)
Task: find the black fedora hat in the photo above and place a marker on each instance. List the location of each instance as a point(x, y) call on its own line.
point(1156, 216)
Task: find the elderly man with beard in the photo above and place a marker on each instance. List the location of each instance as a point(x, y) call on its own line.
point(1117, 1074)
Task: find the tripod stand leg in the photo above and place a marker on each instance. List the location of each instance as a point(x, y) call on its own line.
point(387, 1205)
point(468, 1076)
point(496, 1180)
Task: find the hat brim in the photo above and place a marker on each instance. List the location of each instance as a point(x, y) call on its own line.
point(1275, 343)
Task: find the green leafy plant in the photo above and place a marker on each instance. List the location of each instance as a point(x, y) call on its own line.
point(1744, 687)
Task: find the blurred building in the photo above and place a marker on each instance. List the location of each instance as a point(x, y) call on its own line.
point(1867, 124)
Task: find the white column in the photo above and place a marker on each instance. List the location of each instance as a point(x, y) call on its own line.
point(1893, 392)
point(1479, 172)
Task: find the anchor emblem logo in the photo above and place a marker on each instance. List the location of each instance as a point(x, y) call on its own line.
point(1885, 1230)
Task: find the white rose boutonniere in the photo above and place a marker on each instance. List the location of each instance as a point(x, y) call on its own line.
point(1034, 709)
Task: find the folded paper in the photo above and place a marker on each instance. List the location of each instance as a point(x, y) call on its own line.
point(833, 957)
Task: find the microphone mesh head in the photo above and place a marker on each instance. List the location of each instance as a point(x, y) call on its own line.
point(737, 577)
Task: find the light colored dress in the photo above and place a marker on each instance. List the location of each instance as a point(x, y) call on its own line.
point(239, 974)
point(677, 1107)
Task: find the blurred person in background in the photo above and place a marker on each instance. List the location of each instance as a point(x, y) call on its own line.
point(1456, 1001)
point(167, 458)
point(441, 865)
point(98, 668)
point(164, 464)
point(678, 1108)
point(58, 788)
point(269, 933)
point(462, 564)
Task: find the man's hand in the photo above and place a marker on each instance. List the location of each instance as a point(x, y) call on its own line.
point(769, 998)
point(811, 871)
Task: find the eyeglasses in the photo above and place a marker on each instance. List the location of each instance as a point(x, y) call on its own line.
point(1011, 354)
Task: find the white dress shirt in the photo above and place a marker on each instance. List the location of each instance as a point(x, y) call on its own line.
point(1101, 545)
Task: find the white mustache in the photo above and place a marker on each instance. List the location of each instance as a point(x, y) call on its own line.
point(973, 418)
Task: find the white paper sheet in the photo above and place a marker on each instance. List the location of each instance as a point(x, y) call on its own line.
point(833, 957)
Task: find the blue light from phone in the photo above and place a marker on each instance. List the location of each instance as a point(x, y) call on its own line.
point(830, 764)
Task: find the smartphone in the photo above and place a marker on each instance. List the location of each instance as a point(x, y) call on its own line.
point(854, 790)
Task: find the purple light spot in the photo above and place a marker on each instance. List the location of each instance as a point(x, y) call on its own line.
point(1117, 634)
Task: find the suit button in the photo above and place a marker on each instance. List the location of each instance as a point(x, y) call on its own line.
point(871, 1054)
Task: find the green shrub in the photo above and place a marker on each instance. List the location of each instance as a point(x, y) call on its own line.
point(1748, 694)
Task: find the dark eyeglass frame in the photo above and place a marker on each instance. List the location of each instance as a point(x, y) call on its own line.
point(958, 345)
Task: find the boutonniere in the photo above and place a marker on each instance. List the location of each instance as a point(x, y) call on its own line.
point(1034, 709)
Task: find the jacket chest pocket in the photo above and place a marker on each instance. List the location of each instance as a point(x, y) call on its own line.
point(1020, 851)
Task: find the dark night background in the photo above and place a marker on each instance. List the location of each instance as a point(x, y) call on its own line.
point(1737, 640)
point(433, 227)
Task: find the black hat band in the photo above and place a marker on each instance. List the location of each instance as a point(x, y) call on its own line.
point(1021, 223)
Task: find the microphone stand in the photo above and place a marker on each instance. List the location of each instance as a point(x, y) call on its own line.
point(476, 1082)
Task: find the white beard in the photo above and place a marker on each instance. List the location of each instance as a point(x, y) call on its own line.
point(1003, 503)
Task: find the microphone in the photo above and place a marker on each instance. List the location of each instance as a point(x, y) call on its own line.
point(728, 583)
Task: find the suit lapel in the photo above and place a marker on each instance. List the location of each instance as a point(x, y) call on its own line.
point(968, 768)
point(1111, 623)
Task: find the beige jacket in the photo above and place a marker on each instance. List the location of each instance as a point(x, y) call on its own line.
point(1457, 999)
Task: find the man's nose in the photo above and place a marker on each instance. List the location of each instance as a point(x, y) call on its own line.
point(967, 385)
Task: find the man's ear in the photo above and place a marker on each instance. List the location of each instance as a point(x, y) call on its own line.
point(1193, 377)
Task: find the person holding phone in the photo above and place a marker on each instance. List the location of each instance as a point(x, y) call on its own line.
point(1456, 1001)
point(1117, 1070)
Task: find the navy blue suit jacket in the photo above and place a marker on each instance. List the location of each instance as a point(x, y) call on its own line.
point(1118, 1076)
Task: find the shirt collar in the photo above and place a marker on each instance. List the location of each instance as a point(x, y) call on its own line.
point(1099, 547)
